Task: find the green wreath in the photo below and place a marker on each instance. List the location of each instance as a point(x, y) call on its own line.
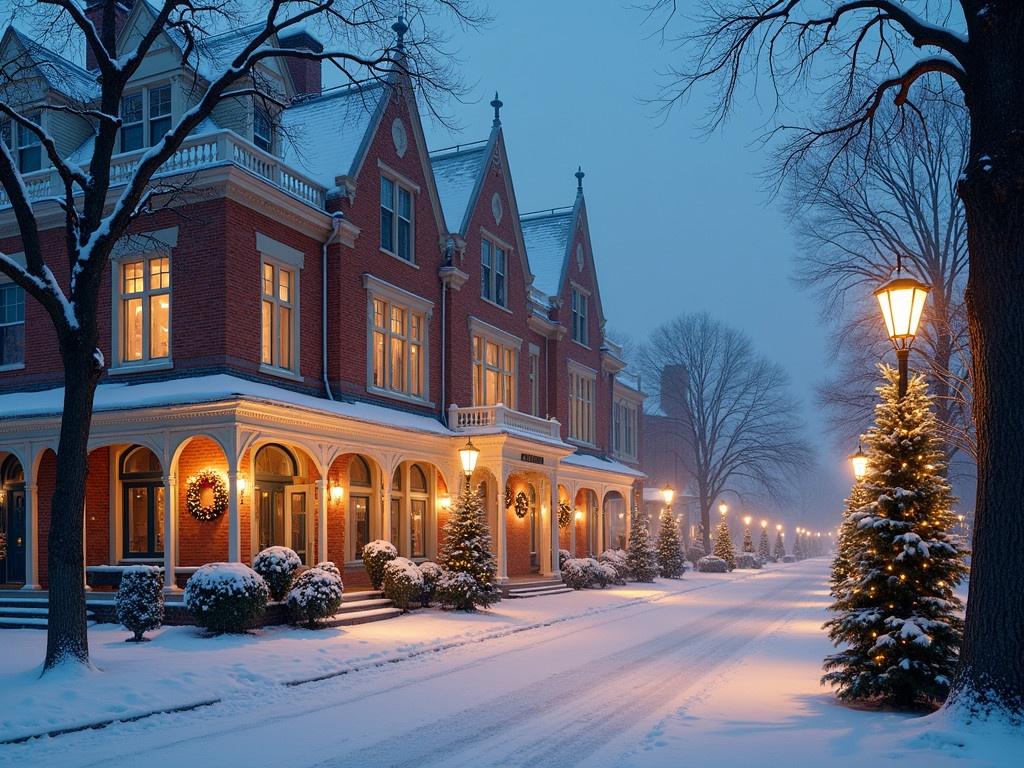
point(522, 504)
point(194, 494)
point(564, 514)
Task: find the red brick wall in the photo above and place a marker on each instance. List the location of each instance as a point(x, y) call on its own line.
point(517, 535)
point(98, 508)
point(46, 483)
point(201, 541)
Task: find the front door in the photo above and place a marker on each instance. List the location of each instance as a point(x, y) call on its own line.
point(12, 525)
point(297, 521)
point(283, 514)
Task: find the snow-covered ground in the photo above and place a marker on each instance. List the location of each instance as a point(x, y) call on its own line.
point(713, 670)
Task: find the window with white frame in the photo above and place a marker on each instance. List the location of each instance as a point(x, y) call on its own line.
point(493, 271)
point(145, 309)
point(534, 381)
point(279, 315)
point(263, 130)
point(624, 428)
point(494, 371)
point(145, 117)
point(24, 143)
point(12, 325)
point(396, 219)
point(397, 340)
point(582, 387)
point(579, 317)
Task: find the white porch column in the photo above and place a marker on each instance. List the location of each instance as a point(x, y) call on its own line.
point(385, 505)
point(31, 529)
point(234, 520)
point(574, 523)
point(321, 532)
point(170, 532)
point(553, 523)
point(502, 529)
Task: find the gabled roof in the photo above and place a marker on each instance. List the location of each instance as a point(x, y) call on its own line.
point(327, 135)
point(61, 75)
point(548, 236)
point(458, 173)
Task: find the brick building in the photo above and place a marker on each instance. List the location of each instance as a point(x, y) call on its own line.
point(316, 330)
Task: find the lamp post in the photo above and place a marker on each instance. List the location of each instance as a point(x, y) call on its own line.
point(668, 493)
point(468, 455)
point(902, 301)
point(723, 508)
point(859, 460)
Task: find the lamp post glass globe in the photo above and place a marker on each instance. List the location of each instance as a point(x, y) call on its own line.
point(723, 508)
point(859, 460)
point(468, 455)
point(668, 493)
point(778, 527)
point(746, 520)
point(902, 302)
point(764, 523)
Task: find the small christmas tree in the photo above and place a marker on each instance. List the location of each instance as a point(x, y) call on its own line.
point(669, 545)
point(780, 547)
point(467, 545)
point(642, 559)
point(748, 542)
point(798, 547)
point(897, 622)
point(763, 550)
point(140, 600)
point(723, 544)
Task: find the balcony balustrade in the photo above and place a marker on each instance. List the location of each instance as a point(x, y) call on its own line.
point(487, 419)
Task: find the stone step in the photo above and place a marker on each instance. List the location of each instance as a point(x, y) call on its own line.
point(363, 605)
point(366, 594)
point(361, 617)
point(20, 601)
point(558, 589)
point(29, 622)
point(33, 610)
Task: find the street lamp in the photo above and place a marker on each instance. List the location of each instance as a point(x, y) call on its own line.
point(859, 460)
point(778, 527)
point(723, 508)
point(902, 301)
point(746, 520)
point(764, 523)
point(668, 493)
point(468, 454)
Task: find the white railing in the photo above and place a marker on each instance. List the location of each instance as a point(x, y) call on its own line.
point(195, 153)
point(496, 418)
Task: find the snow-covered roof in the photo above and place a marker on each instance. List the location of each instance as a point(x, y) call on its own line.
point(63, 76)
point(587, 461)
point(115, 396)
point(547, 238)
point(456, 173)
point(326, 135)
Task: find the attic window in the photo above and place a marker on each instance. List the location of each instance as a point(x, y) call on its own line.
point(28, 151)
point(263, 130)
point(152, 106)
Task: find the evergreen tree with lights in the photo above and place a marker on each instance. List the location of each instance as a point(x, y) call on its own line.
point(798, 547)
point(671, 562)
point(780, 547)
point(897, 619)
point(723, 544)
point(467, 545)
point(748, 541)
point(763, 550)
point(640, 555)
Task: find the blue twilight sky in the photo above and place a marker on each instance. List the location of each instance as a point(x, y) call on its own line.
point(680, 220)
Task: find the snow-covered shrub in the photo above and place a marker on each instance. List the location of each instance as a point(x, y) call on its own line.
point(747, 560)
point(140, 599)
point(579, 572)
point(403, 582)
point(431, 572)
point(712, 564)
point(376, 555)
point(563, 555)
point(277, 566)
point(317, 594)
point(619, 561)
point(226, 597)
point(604, 574)
point(458, 590)
point(695, 553)
point(789, 559)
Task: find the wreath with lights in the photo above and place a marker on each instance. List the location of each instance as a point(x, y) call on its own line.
point(522, 504)
point(194, 494)
point(564, 514)
point(508, 497)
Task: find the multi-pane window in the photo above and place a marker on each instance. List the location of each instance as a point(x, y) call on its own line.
point(152, 107)
point(145, 309)
point(27, 149)
point(278, 316)
point(396, 219)
point(12, 324)
point(494, 373)
point(579, 317)
point(263, 130)
point(581, 407)
point(493, 266)
point(398, 338)
point(534, 383)
point(624, 428)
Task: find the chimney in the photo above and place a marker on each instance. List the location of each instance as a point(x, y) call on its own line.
point(95, 10)
point(306, 73)
point(674, 383)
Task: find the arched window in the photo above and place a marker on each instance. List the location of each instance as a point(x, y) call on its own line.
point(360, 480)
point(11, 472)
point(417, 479)
point(418, 506)
point(275, 461)
point(12, 521)
point(142, 504)
point(359, 472)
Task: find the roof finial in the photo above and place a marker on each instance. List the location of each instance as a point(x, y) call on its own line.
point(579, 179)
point(497, 104)
point(400, 28)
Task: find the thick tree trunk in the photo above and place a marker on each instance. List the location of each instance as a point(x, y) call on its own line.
point(67, 638)
point(991, 669)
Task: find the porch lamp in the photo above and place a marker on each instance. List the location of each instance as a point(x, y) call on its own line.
point(468, 454)
point(902, 301)
point(723, 508)
point(859, 460)
point(668, 493)
point(243, 485)
point(337, 493)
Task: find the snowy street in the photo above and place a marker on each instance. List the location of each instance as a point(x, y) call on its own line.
point(710, 670)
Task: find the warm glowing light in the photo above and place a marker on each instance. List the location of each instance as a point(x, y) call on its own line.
point(579, 514)
point(902, 301)
point(859, 460)
point(668, 493)
point(243, 484)
point(764, 523)
point(723, 508)
point(446, 502)
point(778, 527)
point(337, 493)
point(747, 519)
point(468, 455)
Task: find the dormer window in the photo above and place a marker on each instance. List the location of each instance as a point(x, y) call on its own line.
point(28, 151)
point(152, 106)
point(263, 130)
point(492, 273)
point(580, 329)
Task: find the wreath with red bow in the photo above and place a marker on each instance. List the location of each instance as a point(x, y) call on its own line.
point(207, 479)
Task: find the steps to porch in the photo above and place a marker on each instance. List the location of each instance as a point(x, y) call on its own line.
point(514, 590)
point(17, 612)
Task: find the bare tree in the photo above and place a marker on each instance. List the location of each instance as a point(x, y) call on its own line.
point(855, 54)
point(98, 210)
point(727, 408)
point(853, 215)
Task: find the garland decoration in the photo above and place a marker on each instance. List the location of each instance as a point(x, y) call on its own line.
point(522, 504)
point(508, 496)
point(207, 478)
point(564, 514)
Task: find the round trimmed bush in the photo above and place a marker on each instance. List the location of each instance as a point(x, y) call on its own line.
point(277, 566)
point(140, 599)
point(619, 561)
point(578, 572)
point(376, 555)
point(226, 597)
point(403, 582)
point(431, 572)
point(789, 559)
point(712, 564)
point(604, 574)
point(457, 590)
point(563, 555)
point(747, 560)
point(317, 594)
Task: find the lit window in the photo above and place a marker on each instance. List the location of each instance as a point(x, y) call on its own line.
point(396, 231)
point(278, 317)
point(494, 373)
point(12, 324)
point(145, 309)
point(624, 428)
point(581, 407)
point(263, 131)
point(397, 341)
point(579, 317)
point(493, 266)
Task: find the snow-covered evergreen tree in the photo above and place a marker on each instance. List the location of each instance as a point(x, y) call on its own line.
point(723, 544)
point(748, 541)
point(140, 599)
point(763, 550)
point(897, 622)
point(642, 559)
point(780, 548)
point(670, 546)
point(798, 547)
point(467, 545)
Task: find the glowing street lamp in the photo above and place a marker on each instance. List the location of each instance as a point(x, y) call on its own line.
point(723, 508)
point(668, 493)
point(764, 523)
point(468, 455)
point(859, 460)
point(902, 302)
point(746, 520)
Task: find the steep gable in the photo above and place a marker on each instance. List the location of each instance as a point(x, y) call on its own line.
point(19, 53)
